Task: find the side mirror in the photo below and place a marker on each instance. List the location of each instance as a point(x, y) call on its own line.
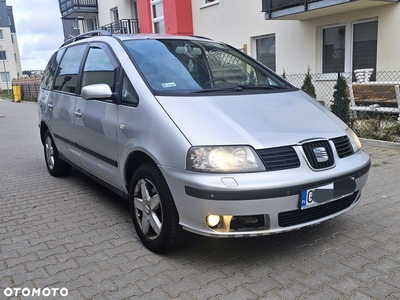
point(96, 91)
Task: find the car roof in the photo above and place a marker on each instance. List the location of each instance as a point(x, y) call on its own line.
point(96, 34)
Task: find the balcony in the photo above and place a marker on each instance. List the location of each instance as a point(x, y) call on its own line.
point(78, 8)
point(124, 26)
point(307, 9)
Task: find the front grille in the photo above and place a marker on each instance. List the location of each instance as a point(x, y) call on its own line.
point(343, 146)
point(280, 158)
point(298, 216)
point(312, 158)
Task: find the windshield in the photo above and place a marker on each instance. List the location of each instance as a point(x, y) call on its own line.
point(172, 66)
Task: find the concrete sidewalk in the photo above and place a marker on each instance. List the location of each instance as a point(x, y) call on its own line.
point(73, 234)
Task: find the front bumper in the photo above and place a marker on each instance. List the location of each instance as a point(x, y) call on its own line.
point(262, 203)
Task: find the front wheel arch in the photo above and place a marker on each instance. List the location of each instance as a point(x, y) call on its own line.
point(134, 161)
point(153, 210)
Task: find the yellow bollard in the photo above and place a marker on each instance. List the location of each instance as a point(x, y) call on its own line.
point(17, 93)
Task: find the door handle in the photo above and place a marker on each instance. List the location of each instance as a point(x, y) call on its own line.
point(78, 113)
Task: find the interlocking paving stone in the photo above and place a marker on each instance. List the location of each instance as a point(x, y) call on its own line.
point(71, 232)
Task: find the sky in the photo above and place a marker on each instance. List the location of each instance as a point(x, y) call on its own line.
point(39, 31)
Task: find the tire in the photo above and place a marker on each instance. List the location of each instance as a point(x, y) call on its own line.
point(153, 210)
point(56, 166)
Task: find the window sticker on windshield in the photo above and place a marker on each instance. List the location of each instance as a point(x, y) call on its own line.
point(168, 84)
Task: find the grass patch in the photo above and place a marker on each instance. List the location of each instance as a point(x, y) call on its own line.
point(7, 95)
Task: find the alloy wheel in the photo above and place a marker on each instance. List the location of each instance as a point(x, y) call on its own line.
point(148, 209)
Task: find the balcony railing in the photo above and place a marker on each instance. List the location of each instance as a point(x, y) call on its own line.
point(68, 7)
point(283, 9)
point(274, 5)
point(124, 26)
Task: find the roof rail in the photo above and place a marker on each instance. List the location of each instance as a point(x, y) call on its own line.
point(200, 37)
point(86, 35)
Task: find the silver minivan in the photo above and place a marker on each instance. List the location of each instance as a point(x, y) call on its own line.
point(198, 136)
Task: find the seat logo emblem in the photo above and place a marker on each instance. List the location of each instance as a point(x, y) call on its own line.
point(320, 154)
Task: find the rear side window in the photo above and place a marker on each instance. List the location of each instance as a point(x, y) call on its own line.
point(67, 76)
point(50, 71)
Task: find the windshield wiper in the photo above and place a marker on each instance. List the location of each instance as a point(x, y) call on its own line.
point(214, 90)
point(241, 87)
point(259, 87)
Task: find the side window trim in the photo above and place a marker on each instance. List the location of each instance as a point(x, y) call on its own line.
point(50, 72)
point(124, 79)
point(78, 72)
point(110, 55)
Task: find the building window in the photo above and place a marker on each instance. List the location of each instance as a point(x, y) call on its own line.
point(5, 77)
point(12, 39)
point(134, 9)
point(92, 24)
point(350, 47)
point(75, 24)
point(3, 55)
point(115, 15)
point(157, 9)
point(365, 44)
point(333, 49)
point(1, 34)
point(265, 51)
point(15, 57)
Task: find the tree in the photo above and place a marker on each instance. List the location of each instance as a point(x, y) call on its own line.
point(341, 102)
point(29, 73)
point(284, 74)
point(308, 86)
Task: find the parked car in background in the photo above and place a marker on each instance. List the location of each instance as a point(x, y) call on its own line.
point(198, 136)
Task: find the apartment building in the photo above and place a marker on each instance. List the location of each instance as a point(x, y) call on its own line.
point(10, 62)
point(126, 16)
point(328, 36)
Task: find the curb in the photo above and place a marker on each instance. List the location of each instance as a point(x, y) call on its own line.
point(381, 144)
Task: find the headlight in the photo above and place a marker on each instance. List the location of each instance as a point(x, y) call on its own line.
point(355, 142)
point(231, 159)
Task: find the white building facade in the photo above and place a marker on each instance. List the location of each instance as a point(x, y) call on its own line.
point(10, 61)
point(329, 39)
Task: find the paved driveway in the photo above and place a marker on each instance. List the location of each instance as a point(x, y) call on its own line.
point(73, 236)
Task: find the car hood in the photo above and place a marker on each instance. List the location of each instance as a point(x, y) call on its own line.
point(261, 120)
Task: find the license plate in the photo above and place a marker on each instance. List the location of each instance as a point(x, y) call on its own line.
point(327, 193)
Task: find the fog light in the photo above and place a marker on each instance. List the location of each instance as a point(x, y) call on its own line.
point(213, 220)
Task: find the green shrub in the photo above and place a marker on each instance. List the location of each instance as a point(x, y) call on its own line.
point(308, 86)
point(341, 102)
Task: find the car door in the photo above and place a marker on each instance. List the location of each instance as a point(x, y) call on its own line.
point(62, 100)
point(96, 119)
